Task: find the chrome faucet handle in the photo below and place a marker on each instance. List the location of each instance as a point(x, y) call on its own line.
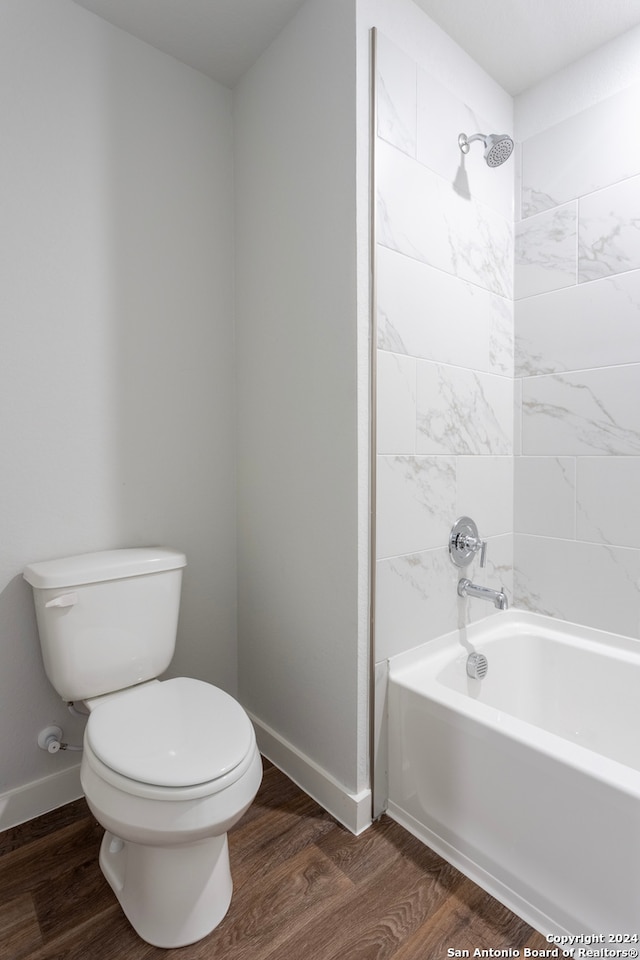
point(464, 543)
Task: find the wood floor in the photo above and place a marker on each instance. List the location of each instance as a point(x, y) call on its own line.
point(304, 889)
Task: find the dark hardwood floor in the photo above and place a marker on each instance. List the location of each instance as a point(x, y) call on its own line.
point(304, 888)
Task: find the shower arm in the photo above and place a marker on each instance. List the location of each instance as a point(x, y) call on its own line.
point(464, 140)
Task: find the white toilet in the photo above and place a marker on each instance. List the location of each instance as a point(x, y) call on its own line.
point(168, 766)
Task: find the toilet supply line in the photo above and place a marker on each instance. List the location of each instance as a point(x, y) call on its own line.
point(50, 739)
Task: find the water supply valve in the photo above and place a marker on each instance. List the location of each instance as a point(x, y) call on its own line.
point(50, 739)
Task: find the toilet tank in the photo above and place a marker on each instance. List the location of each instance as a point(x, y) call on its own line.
point(107, 620)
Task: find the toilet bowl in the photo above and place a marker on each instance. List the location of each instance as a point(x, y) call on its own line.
point(167, 766)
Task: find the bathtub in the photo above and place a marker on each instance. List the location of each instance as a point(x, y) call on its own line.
point(528, 781)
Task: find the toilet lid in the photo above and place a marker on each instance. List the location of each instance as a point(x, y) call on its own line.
point(176, 733)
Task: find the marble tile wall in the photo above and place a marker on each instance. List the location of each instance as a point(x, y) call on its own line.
point(537, 439)
point(444, 231)
point(577, 364)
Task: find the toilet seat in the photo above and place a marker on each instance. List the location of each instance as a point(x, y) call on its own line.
point(171, 735)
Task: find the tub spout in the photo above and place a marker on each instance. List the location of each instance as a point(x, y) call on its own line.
point(497, 597)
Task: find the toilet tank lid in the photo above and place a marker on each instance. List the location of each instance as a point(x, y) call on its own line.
point(105, 565)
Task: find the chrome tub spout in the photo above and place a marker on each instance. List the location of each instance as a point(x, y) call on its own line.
point(497, 597)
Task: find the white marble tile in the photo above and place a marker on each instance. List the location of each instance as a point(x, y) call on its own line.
point(545, 252)
point(609, 231)
point(588, 325)
point(607, 495)
point(396, 96)
point(415, 499)
point(501, 337)
point(462, 411)
point(517, 418)
point(586, 583)
point(442, 117)
point(416, 600)
point(592, 412)
point(396, 416)
point(423, 312)
point(426, 313)
point(518, 213)
point(544, 496)
point(584, 153)
point(485, 492)
point(419, 215)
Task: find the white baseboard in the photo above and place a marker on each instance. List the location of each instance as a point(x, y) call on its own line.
point(33, 799)
point(352, 810)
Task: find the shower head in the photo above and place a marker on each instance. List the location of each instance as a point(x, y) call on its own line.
point(498, 147)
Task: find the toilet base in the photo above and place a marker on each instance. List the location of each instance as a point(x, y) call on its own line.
point(171, 896)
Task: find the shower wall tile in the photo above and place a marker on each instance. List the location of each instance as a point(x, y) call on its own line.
point(423, 312)
point(586, 152)
point(416, 501)
point(501, 337)
point(426, 313)
point(444, 295)
point(577, 354)
point(517, 418)
point(485, 492)
point(396, 413)
point(396, 96)
point(612, 517)
point(463, 411)
point(450, 416)
point(589, 325)
point(498, 572)
point(580, 582)
point(544, 495)
point(609, 233)
point(420, 216)
point(441, 118)
point(417, 599)
point(517, 182)
point(578, 414)
point(545, 251)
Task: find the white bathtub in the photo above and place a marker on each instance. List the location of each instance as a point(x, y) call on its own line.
point(528, 781)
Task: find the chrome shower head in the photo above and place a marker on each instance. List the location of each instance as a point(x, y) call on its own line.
point(498, 147)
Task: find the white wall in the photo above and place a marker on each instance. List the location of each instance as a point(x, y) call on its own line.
point(116, 370)
point(577, 286)
point(301, 488)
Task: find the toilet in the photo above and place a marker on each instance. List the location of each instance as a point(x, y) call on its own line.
point(168, 766)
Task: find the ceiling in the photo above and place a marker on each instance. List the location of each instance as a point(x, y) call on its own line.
point(518, 42)
point(222, 38)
